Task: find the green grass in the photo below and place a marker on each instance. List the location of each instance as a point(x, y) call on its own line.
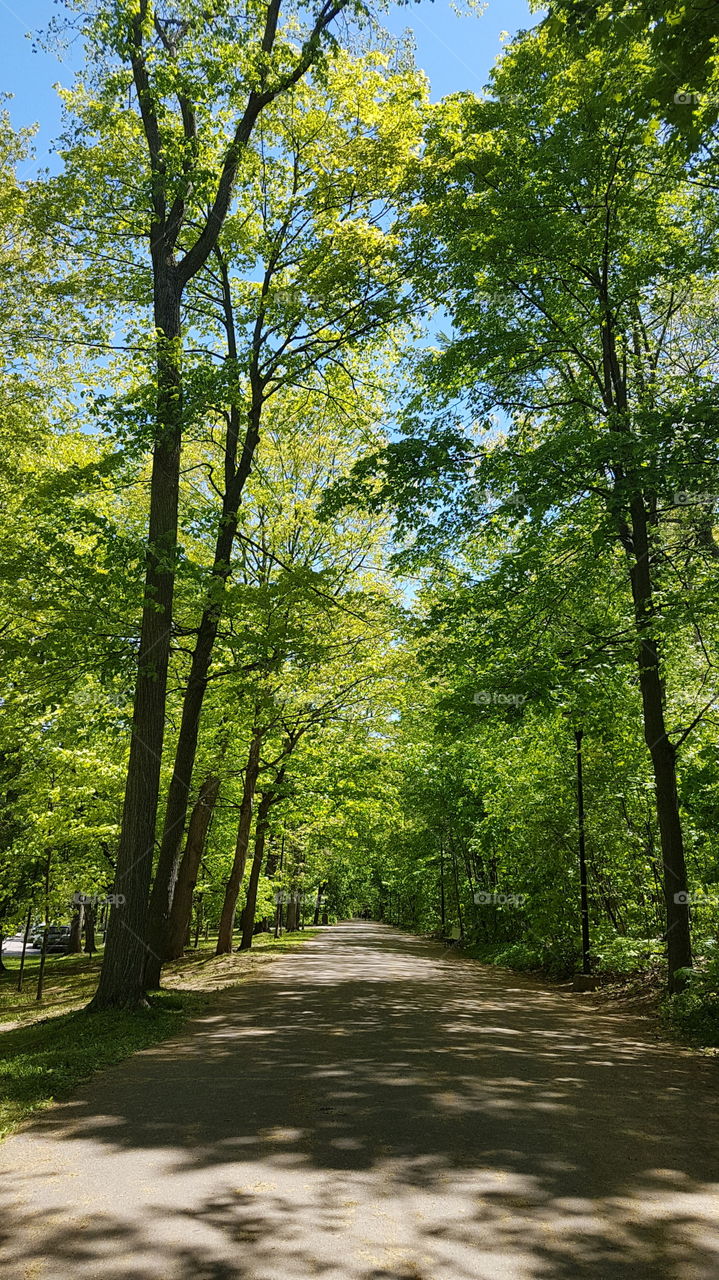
point(46, 1060)
point(53, 1045)
point(69, 982)
point(694, 1012)
point(554, 962)
point(288, 941)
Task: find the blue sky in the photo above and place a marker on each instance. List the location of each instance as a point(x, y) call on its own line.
point(456, 52)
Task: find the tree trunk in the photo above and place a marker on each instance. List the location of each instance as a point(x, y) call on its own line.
point(75, 941)
point(271, 865)
point(582, 849)
point(273, 861)
point(663, 756)
point(455, 877)
point(280, 867)
point(635, 539)
point(442, 903)
point(90, 947)
point(122, 975)
point(291, 916)
point(236, 475)
point(181, 911)
point(25, 937)
point(43, 953)
point(248, 915)
point(41, 970)
point(199, 917)
point(227, 918)
point(164, 884)
point(318, 904)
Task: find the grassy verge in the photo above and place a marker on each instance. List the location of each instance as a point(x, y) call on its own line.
point(69, 983)
point(522, 957)
point(44, 1061)
point(202, 970)
point(693, 1014)
point(47, 1048)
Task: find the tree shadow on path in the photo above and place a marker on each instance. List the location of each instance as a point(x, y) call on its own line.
point(373, 1108)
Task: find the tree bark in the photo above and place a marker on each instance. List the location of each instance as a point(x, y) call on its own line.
point(269, 798)
point(41, 970)
point(89, 925)
point(43, 953)
point(248, 915)
point(199, 919)
point(122, 978)
point(292, 912)
point(633, 525)
point(442, 903)
point(581, 824)
point(318, 903)
point(25, 937)
point(457, 893)
point(75, 941)
point(232, 889)
point(122, 975)
point(236, 473)
point(271, 865)
point(663, 757)
point(178, 793)
point(278, 911)
point(181, 911)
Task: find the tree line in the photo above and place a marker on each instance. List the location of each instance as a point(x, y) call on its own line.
point(308, 603)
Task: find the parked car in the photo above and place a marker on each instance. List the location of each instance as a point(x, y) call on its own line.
point(58, 938)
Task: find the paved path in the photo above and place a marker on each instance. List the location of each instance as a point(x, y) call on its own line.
point(372, 1108)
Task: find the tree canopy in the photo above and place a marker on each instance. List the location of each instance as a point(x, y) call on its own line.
point(360, 486)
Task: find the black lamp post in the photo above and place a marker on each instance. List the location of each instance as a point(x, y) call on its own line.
point(578, 736)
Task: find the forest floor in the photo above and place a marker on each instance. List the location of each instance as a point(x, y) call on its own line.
point(48, 1047)
point(376, 1108)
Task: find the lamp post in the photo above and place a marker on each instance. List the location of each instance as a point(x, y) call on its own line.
point(578, 736)
point(441, 883)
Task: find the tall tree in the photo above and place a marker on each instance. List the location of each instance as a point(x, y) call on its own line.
point(572, 254)
point(194, 84)
point(570, 275)
point(333, 159)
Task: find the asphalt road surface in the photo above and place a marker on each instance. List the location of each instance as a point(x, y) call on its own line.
point(13, 947)
point(373, 1108)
